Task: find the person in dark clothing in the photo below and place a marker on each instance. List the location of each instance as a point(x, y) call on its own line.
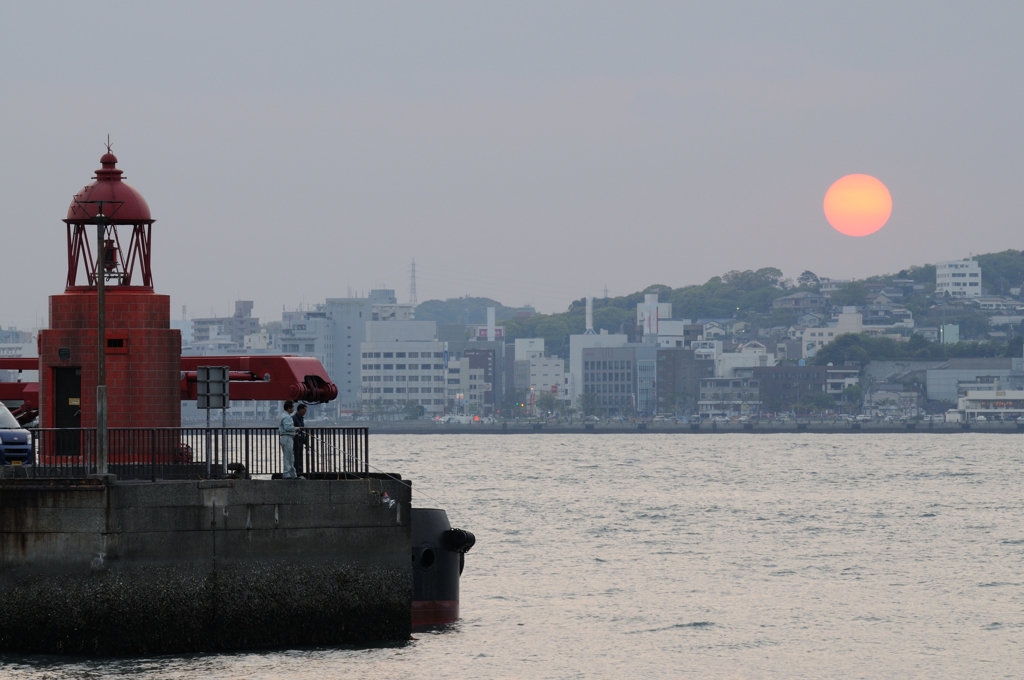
point(299, 419)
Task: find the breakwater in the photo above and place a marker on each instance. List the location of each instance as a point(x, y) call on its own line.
point(98, 567)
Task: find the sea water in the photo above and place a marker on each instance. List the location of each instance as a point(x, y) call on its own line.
point(705, 556)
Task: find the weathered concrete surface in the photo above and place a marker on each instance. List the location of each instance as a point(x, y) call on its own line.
point(141, 568)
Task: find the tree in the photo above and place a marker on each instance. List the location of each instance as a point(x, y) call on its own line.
point(513, 403)
point(816, 402)
point(586, 403)
point(1015, 346)
point(854, 395)
point(413, 410)
point(808, 278)
point(853, 293)
point(1002, 270)
point(546, 403)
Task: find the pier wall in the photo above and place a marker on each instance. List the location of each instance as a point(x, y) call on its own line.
point(98, 568)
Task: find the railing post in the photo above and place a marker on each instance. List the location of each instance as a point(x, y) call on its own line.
point(248, 469)
point(224, 442)
point(152, 450)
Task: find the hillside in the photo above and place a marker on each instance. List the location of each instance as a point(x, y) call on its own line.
point(744, 295)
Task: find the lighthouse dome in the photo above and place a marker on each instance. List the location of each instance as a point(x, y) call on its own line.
point(120, 202)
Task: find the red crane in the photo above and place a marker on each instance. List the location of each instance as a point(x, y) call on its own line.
point(259, 378)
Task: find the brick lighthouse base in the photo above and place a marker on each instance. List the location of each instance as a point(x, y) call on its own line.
point(143, 360)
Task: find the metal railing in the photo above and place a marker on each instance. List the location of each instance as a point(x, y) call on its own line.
point(196, 452)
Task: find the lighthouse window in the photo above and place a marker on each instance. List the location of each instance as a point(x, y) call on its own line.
point(117, 345)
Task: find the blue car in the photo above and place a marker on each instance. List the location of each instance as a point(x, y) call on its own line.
point(15, 441)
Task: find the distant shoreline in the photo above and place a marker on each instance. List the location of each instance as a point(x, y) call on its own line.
point(705, 428)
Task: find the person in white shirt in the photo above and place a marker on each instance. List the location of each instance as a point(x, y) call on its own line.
point(286, 429)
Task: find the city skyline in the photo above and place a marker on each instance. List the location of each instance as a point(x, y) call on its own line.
point(527, 155)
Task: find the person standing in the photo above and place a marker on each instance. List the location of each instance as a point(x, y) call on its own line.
point(286, 431)
point(301, 438)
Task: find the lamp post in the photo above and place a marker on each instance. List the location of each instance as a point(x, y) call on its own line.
point(102, 448)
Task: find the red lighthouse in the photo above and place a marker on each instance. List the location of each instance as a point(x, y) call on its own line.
point(141, 353)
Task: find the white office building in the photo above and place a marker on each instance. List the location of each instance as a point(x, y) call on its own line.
point(396, 372)
point(959, 278)
point(547, 376)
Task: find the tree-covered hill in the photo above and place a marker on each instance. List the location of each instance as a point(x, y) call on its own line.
point(735, 294)
point(467, 310)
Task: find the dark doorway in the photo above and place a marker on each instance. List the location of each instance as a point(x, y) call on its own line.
point(67, 408)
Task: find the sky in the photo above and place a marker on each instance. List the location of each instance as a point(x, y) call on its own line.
point(532, 152)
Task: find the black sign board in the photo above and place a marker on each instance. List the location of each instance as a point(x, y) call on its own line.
point(212, 387)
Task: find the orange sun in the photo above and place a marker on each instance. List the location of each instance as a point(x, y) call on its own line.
point(857, 205)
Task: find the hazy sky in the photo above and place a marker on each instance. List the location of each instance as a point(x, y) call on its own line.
point(529, 152)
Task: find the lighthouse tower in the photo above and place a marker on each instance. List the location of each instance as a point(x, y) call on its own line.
point(142, 353)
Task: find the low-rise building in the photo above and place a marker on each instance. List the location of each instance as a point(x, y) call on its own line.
point(782, 387)
point(803, 301)
point(944, 384)
point(992, 404)
point(829, 286)
point(729, 397)
point(621, 379)
point(838, 378)
point(678, 333)
point(679, 373)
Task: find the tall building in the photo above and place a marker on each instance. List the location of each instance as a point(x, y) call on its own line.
point(483, 364)
point(333, 333)
point(958, 278)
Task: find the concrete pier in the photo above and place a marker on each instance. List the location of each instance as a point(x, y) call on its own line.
point(96, 567)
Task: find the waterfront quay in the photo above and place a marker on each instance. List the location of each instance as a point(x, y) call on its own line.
point(180, 549)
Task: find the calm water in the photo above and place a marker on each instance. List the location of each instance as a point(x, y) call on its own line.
point(696, 555)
